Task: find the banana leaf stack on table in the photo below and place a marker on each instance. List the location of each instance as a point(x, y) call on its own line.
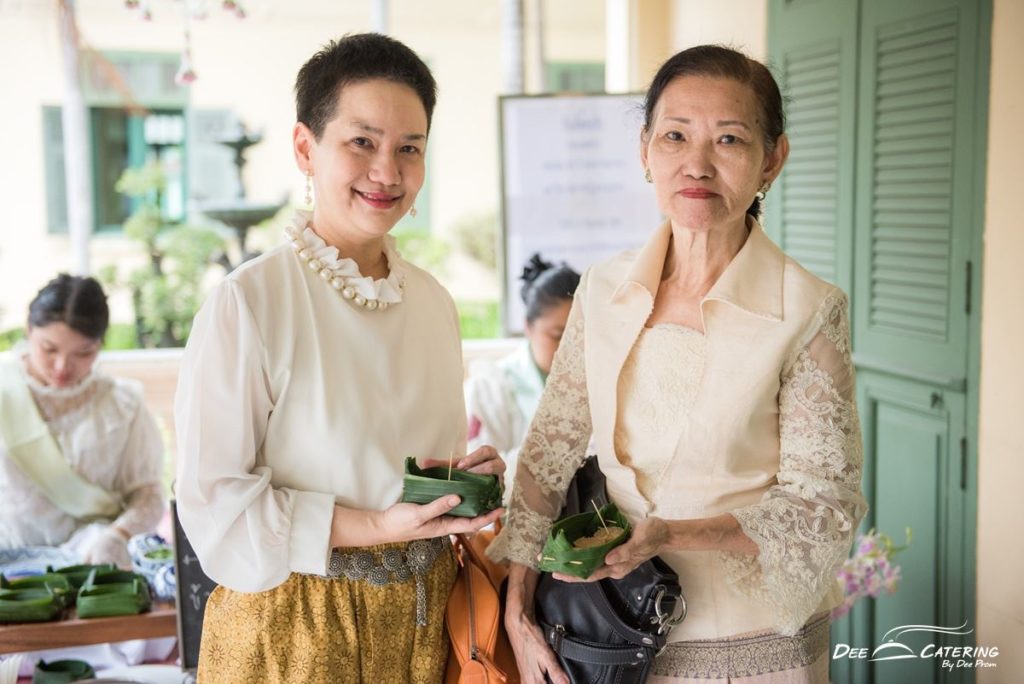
point(106, 594)
point(479, 493)
point(77, 574)
point(577, 544)
point(97, 590)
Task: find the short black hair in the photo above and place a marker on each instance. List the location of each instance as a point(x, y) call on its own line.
point(719, 61)
point(76, 301)
point(546, 285)
point(351, 59)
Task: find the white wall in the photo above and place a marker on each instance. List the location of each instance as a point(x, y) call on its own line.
point(250, 66)
point(1000, 592)
point(741, 24)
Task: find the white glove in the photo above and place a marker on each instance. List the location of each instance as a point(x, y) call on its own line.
point(109, 547)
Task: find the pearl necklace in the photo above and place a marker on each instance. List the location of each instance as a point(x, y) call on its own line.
point(338, 281)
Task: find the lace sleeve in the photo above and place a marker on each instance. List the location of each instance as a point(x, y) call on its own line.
point(139, 477)
point(552, 452)
point(804, 525)
point(143, 509)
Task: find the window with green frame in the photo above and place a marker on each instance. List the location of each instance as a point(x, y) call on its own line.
point(121, 137)
point(575, 77)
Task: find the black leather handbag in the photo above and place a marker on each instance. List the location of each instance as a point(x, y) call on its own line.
point(608, 632)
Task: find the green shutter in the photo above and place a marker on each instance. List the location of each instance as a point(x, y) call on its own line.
point(813, 50)
point(884, 116)
point(915, 185)
point(53, 161)
point(575, 77)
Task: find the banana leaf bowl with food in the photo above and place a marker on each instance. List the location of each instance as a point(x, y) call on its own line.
point(480, 494)
point(578, 543)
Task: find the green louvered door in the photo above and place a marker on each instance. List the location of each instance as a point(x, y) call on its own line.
point(915, 215)
point(809, 212)
point(881, 196)
point(915, 175)
point(813, 46)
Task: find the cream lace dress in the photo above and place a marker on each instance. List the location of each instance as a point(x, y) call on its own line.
point(105, 432)
point(749, 614)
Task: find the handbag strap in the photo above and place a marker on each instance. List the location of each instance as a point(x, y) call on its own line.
point(641, 639)
point(583, 652)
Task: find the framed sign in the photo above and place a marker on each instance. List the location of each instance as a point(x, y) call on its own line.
point(572, 184)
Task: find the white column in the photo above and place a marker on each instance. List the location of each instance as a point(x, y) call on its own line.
point(537, 65)
point(379, 16)
point(76, 144)
point(620, 45)
point(512, 47)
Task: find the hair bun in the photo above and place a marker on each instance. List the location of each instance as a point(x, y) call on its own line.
point(534, 267)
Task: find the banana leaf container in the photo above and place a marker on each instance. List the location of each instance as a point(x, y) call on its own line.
point(35, 604)
point(77, 574)
point(60, 585)
point(559, 554)
point(479, 493)
point(114, 593)
point(62, 671)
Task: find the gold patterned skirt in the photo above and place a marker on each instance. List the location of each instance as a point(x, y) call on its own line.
point(314, 629)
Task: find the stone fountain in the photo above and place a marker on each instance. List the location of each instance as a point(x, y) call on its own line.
point(240, 214)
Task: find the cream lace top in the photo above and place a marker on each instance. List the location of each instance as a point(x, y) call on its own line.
point(105, 432)
point(760, 421)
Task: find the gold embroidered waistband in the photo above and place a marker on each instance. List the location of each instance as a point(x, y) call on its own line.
point(745, 655)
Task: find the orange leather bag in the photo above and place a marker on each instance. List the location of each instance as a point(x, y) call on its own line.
point(480, 650)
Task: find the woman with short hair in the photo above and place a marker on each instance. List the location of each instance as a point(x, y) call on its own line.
point(310, 375)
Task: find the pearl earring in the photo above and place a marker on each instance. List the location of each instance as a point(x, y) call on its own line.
point(763, 191)
point(309, 188)
point(413, 212)
point(647, 176)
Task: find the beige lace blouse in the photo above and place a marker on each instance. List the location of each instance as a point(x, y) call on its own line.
point(764, 426)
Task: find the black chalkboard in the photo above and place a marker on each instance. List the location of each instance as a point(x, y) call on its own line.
point(194, 588)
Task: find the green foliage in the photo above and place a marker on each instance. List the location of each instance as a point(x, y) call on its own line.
point(479, 319)
point(423, 249)
point(143, 181)
point(120, 336)
point(9, 338)
point(166, 292)
point(477, 236)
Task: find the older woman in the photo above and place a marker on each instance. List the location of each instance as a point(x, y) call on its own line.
point(715, 375)
point(310, 375)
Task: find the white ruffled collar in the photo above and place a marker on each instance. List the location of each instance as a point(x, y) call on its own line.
point(384, 289)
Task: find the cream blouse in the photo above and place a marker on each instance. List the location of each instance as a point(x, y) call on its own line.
point(291, 399)
point(771, 436)
point(109, 438)
point(656, 392)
